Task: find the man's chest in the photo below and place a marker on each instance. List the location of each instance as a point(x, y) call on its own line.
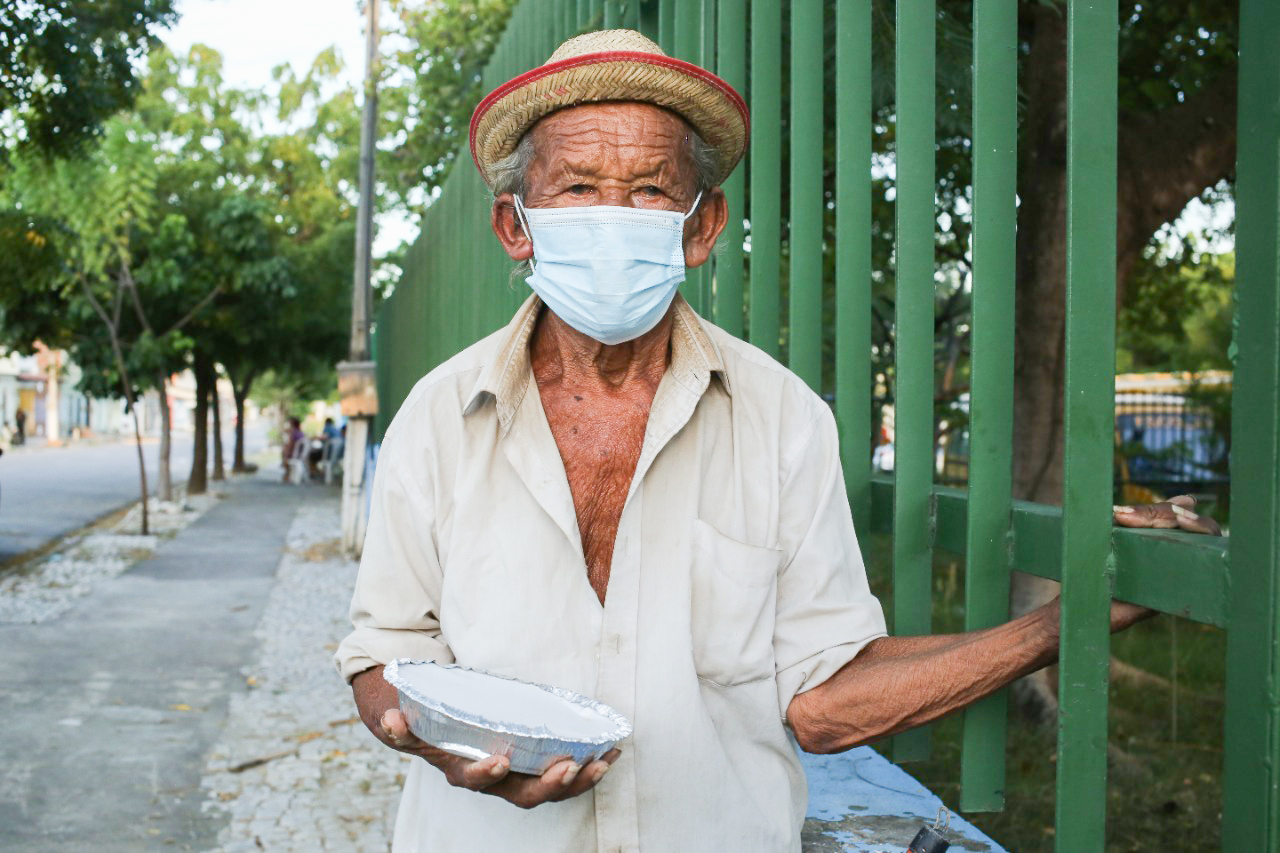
point(599, 444)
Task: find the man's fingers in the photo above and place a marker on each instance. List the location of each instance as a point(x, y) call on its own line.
point(1195, 523)
point(1175, 513)
point(396, 729)
point(483, 774)
point(562, 781)
point(528, 791)
point(1159, 516)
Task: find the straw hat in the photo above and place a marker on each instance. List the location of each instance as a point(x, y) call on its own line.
point(610, 65)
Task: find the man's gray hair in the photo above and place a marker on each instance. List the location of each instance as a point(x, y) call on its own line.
point(511, 173)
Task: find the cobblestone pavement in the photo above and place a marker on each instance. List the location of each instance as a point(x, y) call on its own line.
point(294, 768)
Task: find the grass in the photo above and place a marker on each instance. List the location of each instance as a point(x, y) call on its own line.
point(1165, 719)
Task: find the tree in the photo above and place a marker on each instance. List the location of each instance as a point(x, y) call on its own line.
point(98, 209)
point(1177, 139)
point(66, 66)
point(434, 82)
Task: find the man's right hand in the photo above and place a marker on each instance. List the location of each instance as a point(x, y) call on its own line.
point(493, 775)
point(379, 703)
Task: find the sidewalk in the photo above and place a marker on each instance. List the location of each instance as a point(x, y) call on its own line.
point(111, 706)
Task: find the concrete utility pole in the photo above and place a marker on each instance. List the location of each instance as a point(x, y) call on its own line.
point(356, 378)
point(52, 403)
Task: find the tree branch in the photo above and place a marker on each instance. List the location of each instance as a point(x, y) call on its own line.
point(209, 297)
point(125, 279)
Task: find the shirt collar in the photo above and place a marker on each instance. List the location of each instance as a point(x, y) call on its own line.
point(694, 359)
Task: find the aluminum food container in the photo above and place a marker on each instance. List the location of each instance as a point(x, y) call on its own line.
point(468, 733)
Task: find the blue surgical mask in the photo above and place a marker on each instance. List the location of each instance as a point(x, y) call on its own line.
point(609, 272)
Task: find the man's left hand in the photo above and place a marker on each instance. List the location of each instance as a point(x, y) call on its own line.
point(1175, 513)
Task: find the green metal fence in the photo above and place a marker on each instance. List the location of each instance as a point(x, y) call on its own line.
point(455, 290)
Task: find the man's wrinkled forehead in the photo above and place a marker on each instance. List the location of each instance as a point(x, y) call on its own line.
point(612, 122)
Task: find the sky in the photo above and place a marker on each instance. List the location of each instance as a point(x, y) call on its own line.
point(255, 36)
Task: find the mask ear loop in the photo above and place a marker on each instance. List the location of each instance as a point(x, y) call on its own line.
point(524, 222)
point(696, 200)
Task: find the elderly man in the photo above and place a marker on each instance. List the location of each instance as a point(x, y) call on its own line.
point(614, 496)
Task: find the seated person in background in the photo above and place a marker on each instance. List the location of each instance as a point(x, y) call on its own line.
point(328, 445)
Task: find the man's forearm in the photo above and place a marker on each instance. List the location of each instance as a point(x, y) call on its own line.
point(374, 696)
point(897, 683)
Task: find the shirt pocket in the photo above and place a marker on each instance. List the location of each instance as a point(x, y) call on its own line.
point(733, 587)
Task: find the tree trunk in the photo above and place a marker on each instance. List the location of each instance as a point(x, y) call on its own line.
point(113, 330)
point(240, 393)
point(198, 482)
point(164, 484)
point(219, 471)
point(1041, 266)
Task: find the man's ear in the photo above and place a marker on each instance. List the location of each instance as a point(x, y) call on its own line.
point(509, 229)
point(702, 229)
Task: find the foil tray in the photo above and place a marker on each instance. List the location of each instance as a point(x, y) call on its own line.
point(470, 735)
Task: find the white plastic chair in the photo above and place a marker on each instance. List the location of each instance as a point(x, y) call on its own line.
point(331, 461)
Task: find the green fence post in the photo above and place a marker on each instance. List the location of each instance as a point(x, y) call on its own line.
point(804, 277)
point(704, 55)
point(646, 17)
point(766, 173)
point(1089, 424)
point(687, 45)
point(853, 254)
point(667, 26)
point(913, 345)
point(995, 146)
point(732, 67)
point(1251, 760)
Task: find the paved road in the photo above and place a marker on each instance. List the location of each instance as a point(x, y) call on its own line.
point(48, 492)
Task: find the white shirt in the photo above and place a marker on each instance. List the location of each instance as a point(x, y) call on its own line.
point(736, 583)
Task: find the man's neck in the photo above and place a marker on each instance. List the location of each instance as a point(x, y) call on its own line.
point(561, 355)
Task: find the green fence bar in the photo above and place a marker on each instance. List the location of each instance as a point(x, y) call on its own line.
point(804, 336)
point(995, 148)
point(913, 347)
point(1089, 423)
point(853, 254)
point(688, 33)
point(687, 45)
point(731, 65)
point(1251, 761)
point(766, 173)
point(667, 26)
point(612, 18)
point(700, 279)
